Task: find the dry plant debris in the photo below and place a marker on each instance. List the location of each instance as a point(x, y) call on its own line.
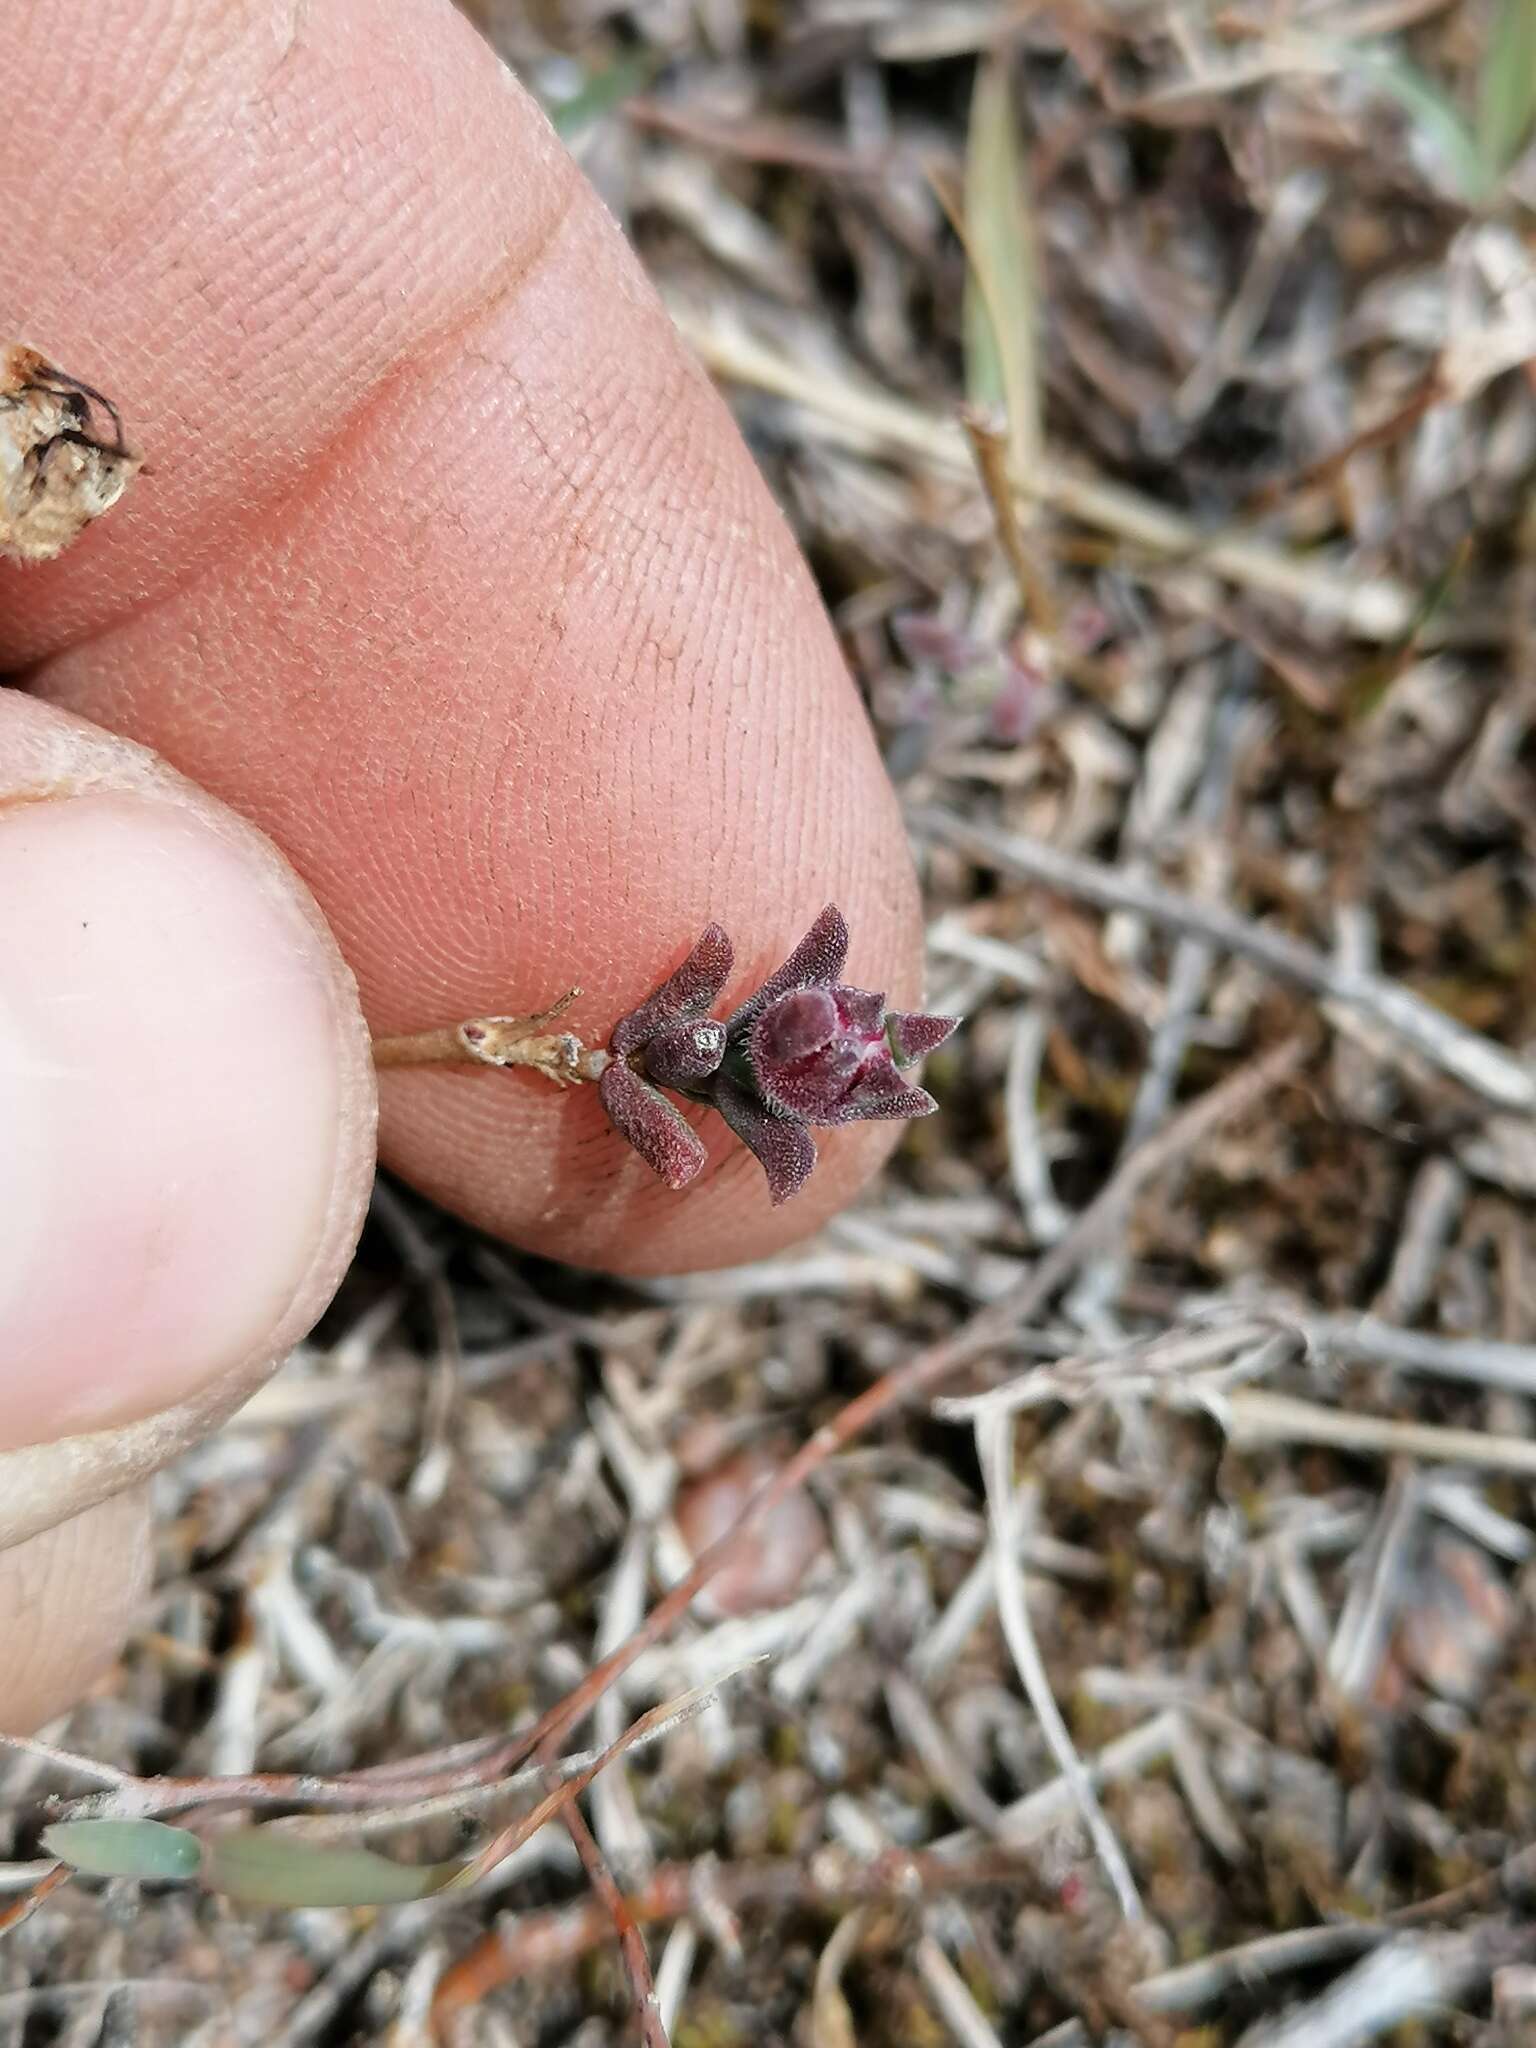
point(1198, 1706)
point(63, 459)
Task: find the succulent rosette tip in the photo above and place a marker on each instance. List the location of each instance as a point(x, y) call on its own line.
point(804, 1050)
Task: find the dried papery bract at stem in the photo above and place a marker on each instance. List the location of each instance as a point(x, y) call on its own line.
point(803, 1049)
point(559, 1056)
point(63, 459)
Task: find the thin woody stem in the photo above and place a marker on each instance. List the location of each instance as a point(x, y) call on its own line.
point(421, 1049)
point(989, 449)
point(499, 1042)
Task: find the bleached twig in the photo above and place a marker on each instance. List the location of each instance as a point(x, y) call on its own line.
point(951, 1995)
point(1143, 1366)
point(1189, 973)
point(1434, 1203)
point(1481, 1360)
point(868, 419)
point(1194, 1985)
point(674, 1971)
point(1360, 1638)
point(1027, 1819)
point(1477, 1062)
point(920, 1728)
point(994, 1448)
point(1254, 1417)
point(1406, 1977)
point(1045, 1216)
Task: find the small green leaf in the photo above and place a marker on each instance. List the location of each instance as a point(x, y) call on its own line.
point(1431, 111)
point(1506, 102)
point(1001, 367)
point(600, 94)
point(266, 1866)
point(124, 1848)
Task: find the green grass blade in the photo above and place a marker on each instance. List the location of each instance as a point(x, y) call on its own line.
point(1432, 112)
point(1001, 302)
point(1506, 103)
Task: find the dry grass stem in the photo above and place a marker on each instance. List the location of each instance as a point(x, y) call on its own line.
point(994, 1449)
point(1478, 1064)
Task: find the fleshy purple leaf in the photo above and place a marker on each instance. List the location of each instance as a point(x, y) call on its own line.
point(686, 993)
point(925, 637)
point(816, 962)
point(1020, 700)
point(785, 1150)
point(684, 1054)
point(841, 1084)
point(669, 1146)
point(914, 1034)
point(861, 1010)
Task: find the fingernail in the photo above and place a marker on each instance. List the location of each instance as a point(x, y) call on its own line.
point(179, 1062)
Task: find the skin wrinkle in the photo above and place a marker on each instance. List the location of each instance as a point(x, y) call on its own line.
point(125, 116)
point(290, 495)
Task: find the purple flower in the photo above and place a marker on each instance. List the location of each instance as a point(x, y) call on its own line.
point(804, 1049)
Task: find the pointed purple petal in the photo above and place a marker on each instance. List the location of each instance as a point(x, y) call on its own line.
point(914, 1034)
point(785, 1150)
point(861, 1010)
point(668, 1145)
point(686, 993)
point(815, 963)
point(684, 1054)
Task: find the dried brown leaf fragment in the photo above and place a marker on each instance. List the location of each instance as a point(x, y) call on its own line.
point(63, 460)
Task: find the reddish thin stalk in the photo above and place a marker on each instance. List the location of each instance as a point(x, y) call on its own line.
point(631, 1942)
point(560, 1937)
point(23, 1908)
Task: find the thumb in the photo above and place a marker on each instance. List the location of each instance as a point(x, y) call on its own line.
point(187, 1106)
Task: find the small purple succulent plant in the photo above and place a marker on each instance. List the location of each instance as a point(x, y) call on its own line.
point(805, 1049)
